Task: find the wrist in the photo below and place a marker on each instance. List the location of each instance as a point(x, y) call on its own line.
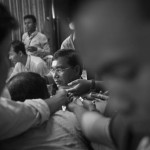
point(92, 85)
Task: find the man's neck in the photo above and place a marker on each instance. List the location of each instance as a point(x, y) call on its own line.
point(30, 33)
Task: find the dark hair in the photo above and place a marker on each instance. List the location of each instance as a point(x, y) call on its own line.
point(72, 57)
point(27, 85)
point(7, 22)
point(18, 46)
point(30, 17)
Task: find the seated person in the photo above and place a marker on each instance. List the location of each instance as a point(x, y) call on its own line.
point(24, 62)
point(61, 131)
point(66, 67)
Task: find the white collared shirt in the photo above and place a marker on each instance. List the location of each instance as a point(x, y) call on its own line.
point(37, 40)
point(33, 64)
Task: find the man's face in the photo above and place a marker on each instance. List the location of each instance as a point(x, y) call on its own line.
point(30, 26)
point(63, 73)
point(115, 44)
point(4, 63)
point(14, 57)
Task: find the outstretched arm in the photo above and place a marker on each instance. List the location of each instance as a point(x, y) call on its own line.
point(81, 86)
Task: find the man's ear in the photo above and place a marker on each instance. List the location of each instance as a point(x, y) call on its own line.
point(35, 24)
point(77, 69)
point(20, 53)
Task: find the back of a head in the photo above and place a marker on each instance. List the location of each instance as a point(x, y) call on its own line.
point(71, 56)
point(18, 46)
point(27, 85)
point(8, 22)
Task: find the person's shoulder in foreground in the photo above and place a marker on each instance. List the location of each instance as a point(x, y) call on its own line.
point(62, 131)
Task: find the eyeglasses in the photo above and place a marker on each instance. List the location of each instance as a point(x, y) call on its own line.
point(58, 70)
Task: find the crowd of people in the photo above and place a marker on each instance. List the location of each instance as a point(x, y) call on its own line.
point(51, 106)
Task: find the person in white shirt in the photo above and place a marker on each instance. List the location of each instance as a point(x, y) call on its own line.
point(24, 62)
point(68, 43)
point(35, 42)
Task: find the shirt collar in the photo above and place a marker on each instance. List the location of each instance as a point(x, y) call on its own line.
point(33, 34)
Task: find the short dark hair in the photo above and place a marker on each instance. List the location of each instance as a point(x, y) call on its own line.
point(27, 85)
point(30, 17)
point(18, 46)
point(72, 57)
point(8, 22)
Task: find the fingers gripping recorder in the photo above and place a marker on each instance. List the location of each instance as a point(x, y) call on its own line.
point(89, 105)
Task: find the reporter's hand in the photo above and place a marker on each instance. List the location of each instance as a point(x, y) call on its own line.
point(32, 49)
point(62, 97)
point(79, 87)
point(57, 101)
point(99, 96)
point(88, 105)
point(72, 106)
point(88, 97)
point(39, 54)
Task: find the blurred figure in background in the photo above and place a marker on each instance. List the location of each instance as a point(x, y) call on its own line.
point(35, 42)
point(68, 43)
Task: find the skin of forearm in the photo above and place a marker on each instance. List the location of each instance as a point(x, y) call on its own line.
point(79, 112)
point(95, 128)
point(54, 103)
point(99, 85)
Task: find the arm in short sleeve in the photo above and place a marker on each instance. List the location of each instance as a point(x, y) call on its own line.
point(16, 118)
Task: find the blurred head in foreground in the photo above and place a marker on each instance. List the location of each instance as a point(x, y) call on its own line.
point(114, 38)
point(8, 23)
